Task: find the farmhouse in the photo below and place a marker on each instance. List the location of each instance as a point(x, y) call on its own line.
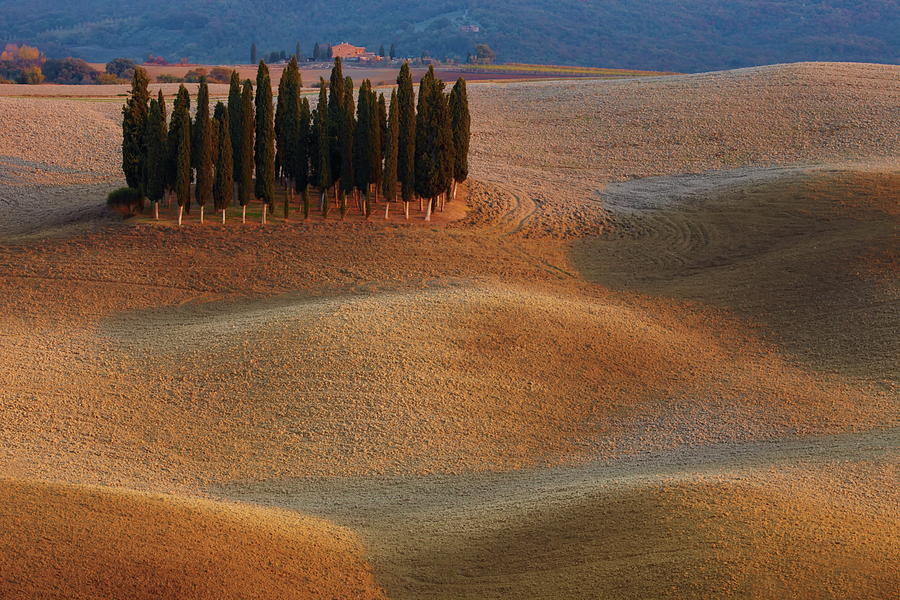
point(345, 50)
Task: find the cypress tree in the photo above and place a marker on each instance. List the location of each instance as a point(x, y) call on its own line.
point(248, 126)
point(224, 183)
point(424, 151)
point(391, 140)
point(434, 141)
point(155, 165)
point(180, 126)
point(301, 154)
point(202, 149)
point(362, 144)
point(379, 120)
point(280, 144)
point(443, 141)
point(323, 150)
point(164, 165)
point(265, 139)
point(235, 124)
point(393, 52)
point(287, 122)
point(347, 132)
point(317, 52)
point(406, 145)
point(381, 51)
point(253, 53)
point(134, 125)
point(335, 108)
point(297, 54)
point(461, 124)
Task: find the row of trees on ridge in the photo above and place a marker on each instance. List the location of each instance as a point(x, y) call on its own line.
point(348, 150)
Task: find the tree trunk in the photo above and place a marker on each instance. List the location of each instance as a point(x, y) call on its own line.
point(243, 213)
point(223, 216)
point(455, 185)
point(201, 212)
point(428, 210)
point(375, 185)
point(368, 202)
point(305, 196)
point(421, 208)
point(343, 203)
point(180, 212)
point(387, 209)
point(156, 210)
point(265, 208)
point(406, 210)
point(287, 201)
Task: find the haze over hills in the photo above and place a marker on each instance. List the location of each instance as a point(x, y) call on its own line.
point(670, 35)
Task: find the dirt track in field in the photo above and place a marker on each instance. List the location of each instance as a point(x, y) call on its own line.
point(652, 359)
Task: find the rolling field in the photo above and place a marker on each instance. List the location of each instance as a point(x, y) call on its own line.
point(650, 352)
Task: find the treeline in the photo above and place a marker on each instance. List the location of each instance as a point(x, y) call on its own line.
point(413, 148)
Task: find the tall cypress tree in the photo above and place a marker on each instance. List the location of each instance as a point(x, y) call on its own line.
point(179, 127)
point(265, 139)
point(461, 124)
point(425, 131)
point(336, 98)
point(280, 143)
point(443, 141)
point(323, 149)
point(203, 149)
point(286, 124)
point(347, 132)
point(379, 126)
point(391, 140)
point(406, 146)
point(223, 189)
point(235, 123)
point(155, 165)
point(248, 128)
point(134, 125)
point(301, 154)
point(393, 52)
point(167, 182)
point(362, 143)
point(434, 141)
point(180, 137)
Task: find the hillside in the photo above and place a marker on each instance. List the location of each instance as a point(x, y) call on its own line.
point(668, 35)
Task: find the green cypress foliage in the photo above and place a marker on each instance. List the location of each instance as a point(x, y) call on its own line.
point(265, 136)
point(203, 147)
point(280, 143)
point(382, 122)
point(347, 132)
point(461, 124)
point(248, 125)
point(155, 142)
point(224, 183)
point(391, 141)
point(235, 124)
point(134, 124)
point(434, 139)
point(362, 142)
point(179, 128)
point(406, 111)
point(336, 98)
point(425, 168)
point(301, 154)
point(183, 158)
point(322, 160)
point(287, 117)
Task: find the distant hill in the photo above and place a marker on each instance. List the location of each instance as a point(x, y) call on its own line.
point(670, 35)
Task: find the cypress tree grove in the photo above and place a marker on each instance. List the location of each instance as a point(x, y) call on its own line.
point(183, 156)
point(461, 124)
point(265, 139)
point(248, 126)
point(134, 124)
point(181, 122)
point(322, 160)
point(224, 184)
point(392, 138)
point(155, 165)
point(406, 146)
point(347, 132)
point(335, 110)
point(235, 124)
point(301, 154)
point(202, 149)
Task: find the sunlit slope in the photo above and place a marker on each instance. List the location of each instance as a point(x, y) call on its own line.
point(75, 542)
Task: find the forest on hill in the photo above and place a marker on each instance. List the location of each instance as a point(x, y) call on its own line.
point(668, 35)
